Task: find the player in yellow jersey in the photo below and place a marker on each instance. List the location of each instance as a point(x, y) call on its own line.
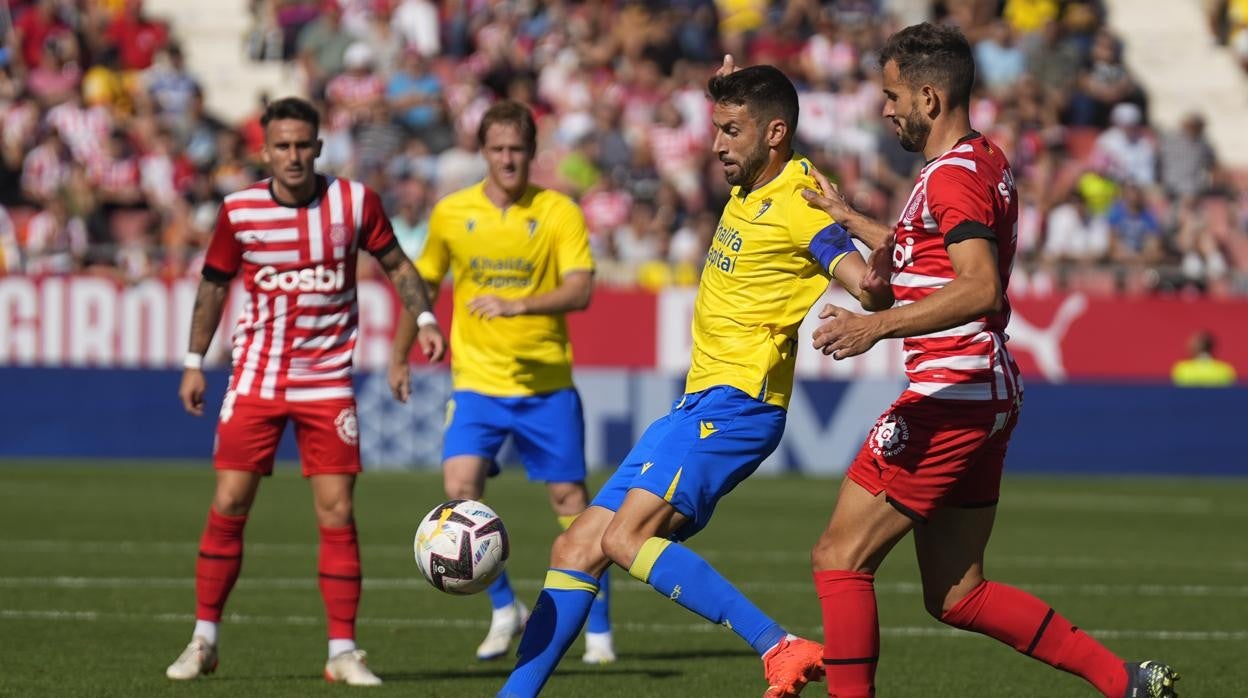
point(770, 260)
point(519, 257)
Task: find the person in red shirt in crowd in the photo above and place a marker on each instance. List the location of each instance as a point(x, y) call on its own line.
point(136, 37)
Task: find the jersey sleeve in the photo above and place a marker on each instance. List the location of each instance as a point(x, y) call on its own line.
point(962, 204)
point(376, 233)
point(572, 240)
point(435, 257)
point(225, 252)
point(814, 230)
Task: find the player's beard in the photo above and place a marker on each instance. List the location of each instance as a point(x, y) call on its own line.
point(751, 167)
point(914, 132)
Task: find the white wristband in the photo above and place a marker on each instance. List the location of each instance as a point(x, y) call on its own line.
point(193, 361)
point(426, 319)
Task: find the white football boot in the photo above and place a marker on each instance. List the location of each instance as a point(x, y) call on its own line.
point(349, 668)
point(506, 625)
point(199, 657)
point(599, 648)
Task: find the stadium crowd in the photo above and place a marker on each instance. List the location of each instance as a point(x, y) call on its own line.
point(110, 164)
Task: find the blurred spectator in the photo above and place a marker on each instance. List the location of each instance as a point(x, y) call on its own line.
point(34, 27)
point(1075, 235)
point(1187, 160)
point(1103, 83)
point(170, 86)
point(321, 47)
point(1026, 16)
point(1135, 233)
point(415, 95)
point(999, 61)
point(411, 215)
point(135, 37)
point(1126, 152)
point(1201, 369)
point(1197, 242)
point(56, 242)
point(10, 254)
point(417, 22)
point(460, 165)
point(1053, 60)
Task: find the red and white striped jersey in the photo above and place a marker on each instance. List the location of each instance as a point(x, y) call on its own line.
point(969, 184)
point(295, 337)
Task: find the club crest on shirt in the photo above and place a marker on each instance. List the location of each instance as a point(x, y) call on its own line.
point(890, 435)
point(348, 426)
point(338, 234)
point(763, 209)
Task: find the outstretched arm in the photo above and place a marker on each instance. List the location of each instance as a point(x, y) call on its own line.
point(974, 292)
point(869, 281)
point(574, 293)
point(832, 202)
point(209, 304)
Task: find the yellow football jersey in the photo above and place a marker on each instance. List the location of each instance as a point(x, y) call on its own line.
point(759, 281)
point(520, 251)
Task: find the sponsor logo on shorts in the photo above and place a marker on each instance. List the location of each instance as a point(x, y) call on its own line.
point(348, 426)
point(889, 436)
point(706, 429)
point(646, 466)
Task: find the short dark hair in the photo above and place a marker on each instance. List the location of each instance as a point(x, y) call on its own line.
point(510, 112)
point(933, 54)
point(763, 89)
point(291, 108)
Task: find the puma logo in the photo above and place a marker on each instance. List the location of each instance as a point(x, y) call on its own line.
point(1045, 343)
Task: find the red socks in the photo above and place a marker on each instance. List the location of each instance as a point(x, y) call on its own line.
point(851, 632)
point(220, 559)
point(1030, 626)
point(339, 570)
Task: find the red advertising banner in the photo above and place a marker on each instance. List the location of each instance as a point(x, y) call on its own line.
point(90, 321)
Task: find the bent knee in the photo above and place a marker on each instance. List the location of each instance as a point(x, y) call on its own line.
point(832, 554)
point(575, 551)
point(621, 546)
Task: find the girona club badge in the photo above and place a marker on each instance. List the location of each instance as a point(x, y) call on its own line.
point(890, 435)
point(348, 426)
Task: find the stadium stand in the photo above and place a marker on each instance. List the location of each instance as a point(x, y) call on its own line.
point(116, 152)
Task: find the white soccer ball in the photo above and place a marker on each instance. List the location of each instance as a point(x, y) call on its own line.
point(461, 546)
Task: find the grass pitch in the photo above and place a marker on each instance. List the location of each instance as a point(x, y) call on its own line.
point(97, 593)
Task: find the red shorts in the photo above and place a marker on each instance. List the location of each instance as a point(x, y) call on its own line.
point(249, 430)
point(925, 454)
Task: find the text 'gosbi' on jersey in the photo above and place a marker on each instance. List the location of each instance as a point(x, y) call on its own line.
point(295, 337)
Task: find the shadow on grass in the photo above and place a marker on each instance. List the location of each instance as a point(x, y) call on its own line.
point(681, 656)
point(503, 673)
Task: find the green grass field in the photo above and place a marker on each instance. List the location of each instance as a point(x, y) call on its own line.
point(97, 597)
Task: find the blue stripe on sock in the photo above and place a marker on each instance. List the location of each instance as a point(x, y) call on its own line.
point(600, 610)
point(555, 622)
point(684, 577)
point(501, 595)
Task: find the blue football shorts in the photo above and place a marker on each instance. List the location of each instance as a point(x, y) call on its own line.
point(698, 452)
point(548, 430)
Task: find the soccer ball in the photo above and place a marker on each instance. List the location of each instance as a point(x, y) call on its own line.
point(461, 546)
